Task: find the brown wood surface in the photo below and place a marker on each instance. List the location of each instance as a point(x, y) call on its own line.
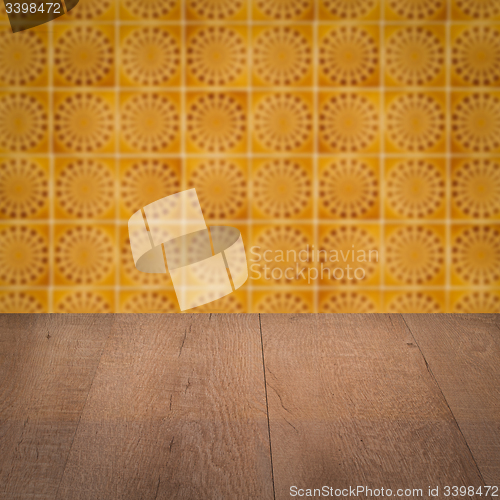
point(463, 353)
point(47, 364)
point(177, 410)
point(351, 402)
point(245, 406)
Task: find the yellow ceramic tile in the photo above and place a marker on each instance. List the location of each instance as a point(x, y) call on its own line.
point(348, 122)
point(474, 55)
point(221, 185)
point(24, 255)
point(430, 10)
point(348, 188)
point(282, 188)
point(235, 303)
point(25, 301)
point(349, 301)
point(150, 122)
point(73, 301)
point(283, 301)
point(282, 122)
point(84, 55)
point(166, 10)
point(24, 188)
point(271, 10)
point(92, 10)
point(415, 254)
point(475, 188)
point(145, 180)
point(282, 56)
point(415, 122)
point(24, 122)
point(150, 55)
point(84, 122)
point(471, 10)
point(349, 254)
point(348, 55)
point(205, 10)
point(475, 255)
point(84, 254)
point(346, 10)
point(84, 188)
point(24, 57)
point(415, 301)
point(216, 122)
point(216, 56)
point(477, 301)
point(475, 127)
point(148, 301)
point(415, 188)
point(415, 55)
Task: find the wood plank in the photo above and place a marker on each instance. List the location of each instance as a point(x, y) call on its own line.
point(463, 353)
point(47, 364)
point(177, 410)
point(351, 403)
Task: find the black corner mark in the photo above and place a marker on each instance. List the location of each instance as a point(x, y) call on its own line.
point(26, 14)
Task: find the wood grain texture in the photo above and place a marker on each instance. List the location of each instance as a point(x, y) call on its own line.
point(463, 353)
point(351, 402)
point(47, 364)
point(177, 411)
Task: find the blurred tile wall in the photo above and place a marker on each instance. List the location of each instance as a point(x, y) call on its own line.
point(308, 124)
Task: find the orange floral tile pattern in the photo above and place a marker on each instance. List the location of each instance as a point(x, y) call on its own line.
point(354, 143)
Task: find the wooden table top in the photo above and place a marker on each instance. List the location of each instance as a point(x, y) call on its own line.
point(246, 406)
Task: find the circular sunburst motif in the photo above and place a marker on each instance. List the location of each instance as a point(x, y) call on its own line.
point(348, 303)
point(216, 9)
point(90, 9)
point(22, 57)
point(283, 122)
point(83, 302)
point(476, 55)
point(415, 122)
point(23, 255)
point(85, 188)
point(415, 188)
point(20, 302)
point(282, 188)
point(149, 302)
point(216, 55)
point(283, 244)
point(212, 304)
point(83, 55)
point(221, 187)
point(348, 188)
point(476, 188)
point(348, 123)
point(216, 123)
point(479, 9)
point(414, 56)
point(414, 302)
point(476, 123)
point(415, 255)
point(416, 9)
point(478, 302)
point(349, 9)
point(349, 246)
point(84, 255)
point(146, 181)
point(281, 56)
point(24, 188)
point(281, 303)
point(348, 55)
point(476, 255)
point(23, 122)
point(284, 9)
point(84, 123)
point(150, 122)
point(151, 56)
point(150, 9)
